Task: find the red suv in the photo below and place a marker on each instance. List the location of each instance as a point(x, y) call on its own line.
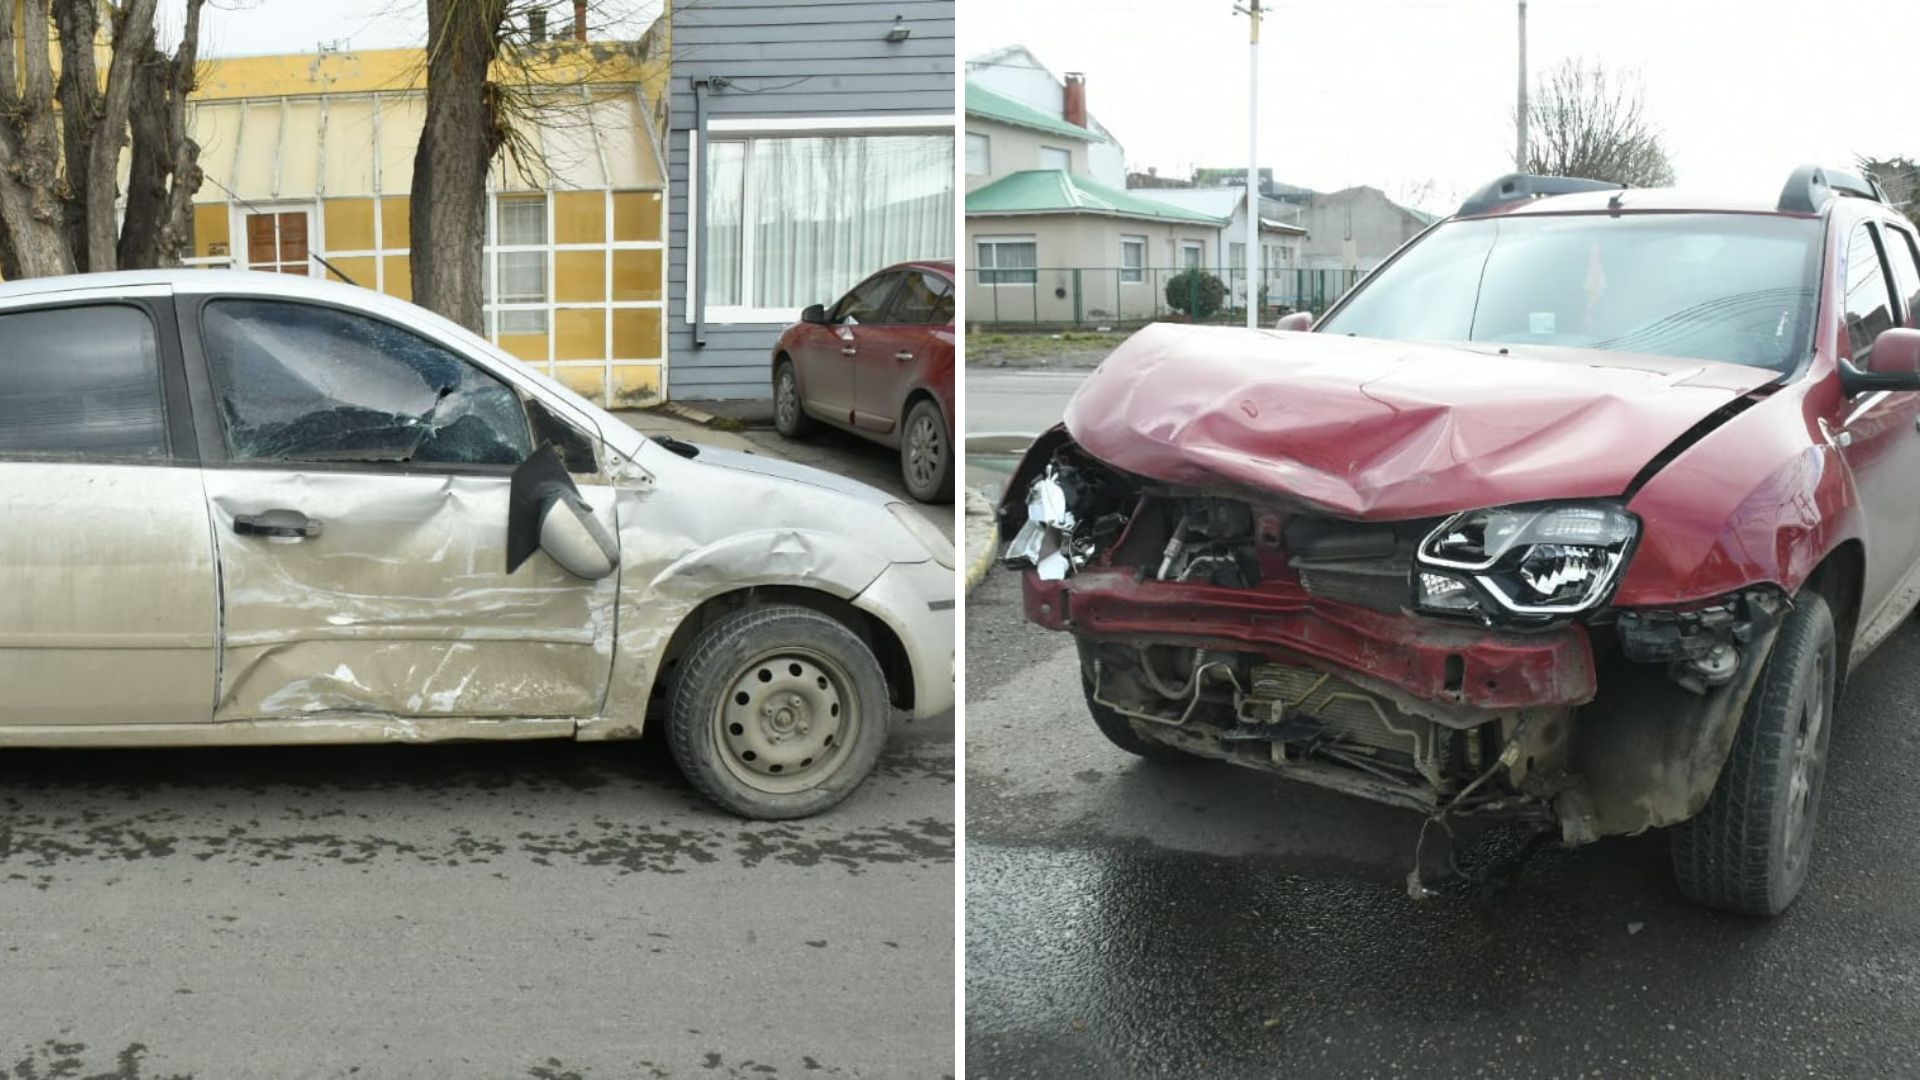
point(1578, 510)
point(879, 364)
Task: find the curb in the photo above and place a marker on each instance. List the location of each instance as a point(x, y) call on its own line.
point(700, 416)
point(977, 572)
point(980, 555)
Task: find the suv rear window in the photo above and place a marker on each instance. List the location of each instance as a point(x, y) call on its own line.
point(1731, 287)
point(81, 383)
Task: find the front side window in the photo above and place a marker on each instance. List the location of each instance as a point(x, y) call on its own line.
point(1868, 302)
point(1006, 261)
point(81, 383)
point(299, 382)
point(1904, 257)
point(979, 154)
point(868, 300)
point(792, 220)
point(1732, 287)
point(1133, 259)
point(924, 299)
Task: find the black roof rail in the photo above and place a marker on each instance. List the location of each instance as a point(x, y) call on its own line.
point(1810, 186)
point(1516, 186)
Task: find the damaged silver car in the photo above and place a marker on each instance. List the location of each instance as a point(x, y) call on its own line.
point(252, 509)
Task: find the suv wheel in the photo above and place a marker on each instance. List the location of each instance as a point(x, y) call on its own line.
point(1747, 850)
point(926, 453)
point(778, 712)
point(789, 418)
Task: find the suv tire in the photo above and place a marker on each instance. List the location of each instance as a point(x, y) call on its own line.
point(1747, 850)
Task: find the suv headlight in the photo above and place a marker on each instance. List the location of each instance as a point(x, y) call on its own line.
point(926, 532)
point(1543, 560)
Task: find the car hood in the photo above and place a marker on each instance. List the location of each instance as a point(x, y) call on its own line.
point(1384, 430)
point(761, 465)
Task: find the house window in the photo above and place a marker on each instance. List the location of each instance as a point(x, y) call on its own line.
point(979, 154)
point(1053, 157)
point(798, 220)
point(1237, 256)
point(1006, 260)
point(520, 241)
point(1193, 254)
point(1133, 259)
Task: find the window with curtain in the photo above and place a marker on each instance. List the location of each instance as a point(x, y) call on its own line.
point(1006, 260)
point(799, 220)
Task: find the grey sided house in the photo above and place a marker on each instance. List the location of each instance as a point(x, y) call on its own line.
point(810, 143)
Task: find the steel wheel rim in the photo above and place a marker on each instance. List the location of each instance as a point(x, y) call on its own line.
point(786, 720)
point(1804, 773)
point(785, 398)
point(923, 452)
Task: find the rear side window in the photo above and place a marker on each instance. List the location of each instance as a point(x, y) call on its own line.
point(298, 382)
point(81, 383)
point(923, 300)
point(1869, 306)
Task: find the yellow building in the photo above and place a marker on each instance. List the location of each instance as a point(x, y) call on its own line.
point(309, 159)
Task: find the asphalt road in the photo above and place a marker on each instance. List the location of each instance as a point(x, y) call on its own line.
point(1011, 400)
point(1202, 920)
point(542, 910)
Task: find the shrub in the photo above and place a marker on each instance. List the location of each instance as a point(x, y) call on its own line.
point(1195, 293)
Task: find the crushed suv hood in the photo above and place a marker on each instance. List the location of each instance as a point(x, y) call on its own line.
point(1367, 429)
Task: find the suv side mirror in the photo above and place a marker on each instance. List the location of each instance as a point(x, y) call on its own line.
point(814, 313)
point(1892, 364)
point(1299, 320)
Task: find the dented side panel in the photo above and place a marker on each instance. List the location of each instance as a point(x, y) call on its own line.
point(107, 583)
point(401, 606)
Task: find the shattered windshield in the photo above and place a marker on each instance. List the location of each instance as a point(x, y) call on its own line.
point(1731, 287)
point(299, 382)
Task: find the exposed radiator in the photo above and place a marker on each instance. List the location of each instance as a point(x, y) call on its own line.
point(1343, 713)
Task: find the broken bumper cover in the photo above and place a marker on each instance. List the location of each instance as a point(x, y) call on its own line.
point(1447, 665)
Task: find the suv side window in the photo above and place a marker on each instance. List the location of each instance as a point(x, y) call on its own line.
point(1869, 300)
point(1905, 260)
point(867, 300)
point(81, 383)
point(301, 382)
point(923, 300)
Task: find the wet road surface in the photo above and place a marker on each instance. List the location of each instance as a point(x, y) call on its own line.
point(1130, 919)
point(540, 910)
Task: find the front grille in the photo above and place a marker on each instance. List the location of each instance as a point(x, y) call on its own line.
point(1380, 586)
point(1368, 564)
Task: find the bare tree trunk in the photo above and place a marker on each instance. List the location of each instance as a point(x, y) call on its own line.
point(79, 94)
point(132, 38)
point(165, 171)
point(461, 135)
point(30, 208)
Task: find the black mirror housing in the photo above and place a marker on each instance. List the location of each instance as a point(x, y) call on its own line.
point(1854, 381)
point(814, 313)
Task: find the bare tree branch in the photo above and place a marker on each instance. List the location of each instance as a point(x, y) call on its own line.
point(1585, 122)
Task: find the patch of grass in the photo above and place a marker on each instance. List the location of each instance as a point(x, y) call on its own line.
point(1021, 346)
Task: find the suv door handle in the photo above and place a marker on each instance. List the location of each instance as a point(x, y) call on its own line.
point(848, 351)
point(903, 355)
point(276, 523)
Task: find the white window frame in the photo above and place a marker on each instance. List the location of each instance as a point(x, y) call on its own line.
point(1199, 250)
point(986, 153)
point(994, 241)
point(1061, 150)
point(237, 213)
point(729, 128)
point(1133, 275)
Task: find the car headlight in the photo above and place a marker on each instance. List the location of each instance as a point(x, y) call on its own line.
point(1556, 559)
point(926, 532)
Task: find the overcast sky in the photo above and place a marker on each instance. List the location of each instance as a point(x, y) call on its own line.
point(256, 27)
point(1399, 93)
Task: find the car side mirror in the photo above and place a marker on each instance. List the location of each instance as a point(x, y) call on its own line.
point(1299, 320)
point(546, 513)
point(814, 313)
point(1893, 363)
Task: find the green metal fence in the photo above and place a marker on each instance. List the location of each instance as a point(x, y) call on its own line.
point(1125, 297)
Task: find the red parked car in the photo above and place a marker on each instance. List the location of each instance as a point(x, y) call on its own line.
point(878, 364)
point(1578, 510)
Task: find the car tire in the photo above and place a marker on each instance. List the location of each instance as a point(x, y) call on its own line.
point(789, 413)
point(1748, 849)
point(778, 712)
point(1119, 731)
point(926, 453)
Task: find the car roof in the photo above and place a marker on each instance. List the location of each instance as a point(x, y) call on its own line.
point(1669, 200)
point(189, 280)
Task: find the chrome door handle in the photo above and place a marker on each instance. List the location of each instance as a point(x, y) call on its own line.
point(848, 351)
point(903, 355)
point(276, 523)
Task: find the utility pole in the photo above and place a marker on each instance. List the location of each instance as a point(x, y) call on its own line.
point(1520, 110)
point(1253, 13)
